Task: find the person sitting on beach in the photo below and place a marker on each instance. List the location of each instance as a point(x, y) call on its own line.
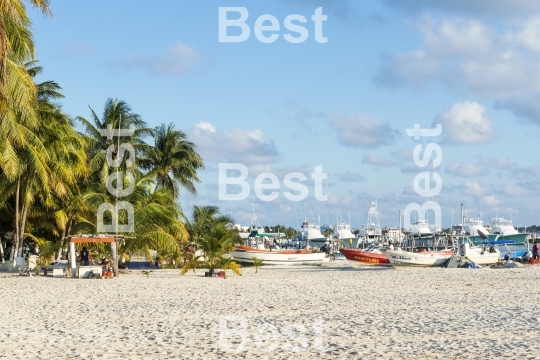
point(85, 257)
point(535, 250)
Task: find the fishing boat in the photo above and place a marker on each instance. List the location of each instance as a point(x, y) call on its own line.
point(422, 258)
point(480, 255)
point(503, 230)
point(265, 246)
point(343, 230)
point(311, 233)
point(246, 254)
point(371, 257)
point(475, 229)
point(371, 231)
point(420, 229)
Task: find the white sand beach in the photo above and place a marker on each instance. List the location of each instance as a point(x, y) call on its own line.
point(364, 314)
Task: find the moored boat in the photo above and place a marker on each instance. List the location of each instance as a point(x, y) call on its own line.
point(480, 255)
point(370, 258)
point(246, 254)
point(502, 229)
point(399, 257)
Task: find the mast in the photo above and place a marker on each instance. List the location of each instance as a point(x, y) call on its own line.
point(462, 219)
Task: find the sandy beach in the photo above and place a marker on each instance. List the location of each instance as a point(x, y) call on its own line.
point(336, 313)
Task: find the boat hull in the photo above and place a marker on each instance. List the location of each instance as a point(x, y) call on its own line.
point(516, 238)
point(420, 259)
point(484, 259)
point(361, 259)
point(284, 257)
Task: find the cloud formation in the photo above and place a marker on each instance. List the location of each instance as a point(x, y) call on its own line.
point(465, 169)
point(472, 188)
point(377, 160)
point(500, 62)
point(362, 131)
point(351, 177)
point(250, 147)
point(498, 7)
point(466, 123)
point(178, 59)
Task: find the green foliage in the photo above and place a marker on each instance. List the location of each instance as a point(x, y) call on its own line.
point(257, 263)
point(215, 244)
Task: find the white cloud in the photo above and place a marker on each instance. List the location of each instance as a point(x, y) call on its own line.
point(515, 190)
point(178, 59)
point(500, 62)
point(489, 201)
point(503, 8)
point(249, 147)
point(351, 177)
point(502, 163)
point(377, 160)
point(472, 188)
point(362, 130)
point(530, 34)
point(466, 123)
point(465, 169)
point(403, 153)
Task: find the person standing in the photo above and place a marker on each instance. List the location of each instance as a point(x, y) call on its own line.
point(535, 250)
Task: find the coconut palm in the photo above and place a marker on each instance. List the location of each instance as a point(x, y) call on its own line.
point(214, 245)
point(157, 215)
point(172, 160)
point(204, 219)
point(116, 114)
point(17, 89)
point(53, 168)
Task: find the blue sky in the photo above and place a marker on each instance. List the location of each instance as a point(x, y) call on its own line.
point(473, 66)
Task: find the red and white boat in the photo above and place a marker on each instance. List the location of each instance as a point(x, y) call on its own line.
point(278, 257)
point(361, 258)
point(422, 258)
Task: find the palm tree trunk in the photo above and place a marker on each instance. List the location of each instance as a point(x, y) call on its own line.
point(62, 243)
point(1, 252)
point(24, 212)
point(15, 246)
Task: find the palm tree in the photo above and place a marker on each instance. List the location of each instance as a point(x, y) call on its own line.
point(53, 168)
point(204, 220)
point(157, 224)
point(116, 114)
point(172, 160)
point(215, 245)
point(257, 263)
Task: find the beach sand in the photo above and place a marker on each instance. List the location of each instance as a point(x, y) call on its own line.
point(335, 312)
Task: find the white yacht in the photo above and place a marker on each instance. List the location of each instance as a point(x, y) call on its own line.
point(343, 230)
point(474, 227)
point(371, 231)
point(421, 229)
point(311, 232)
point(503, 230)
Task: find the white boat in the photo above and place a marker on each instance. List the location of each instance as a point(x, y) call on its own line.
point(311, 233)
point(399, 257)
point(421, 229)
point(371, 231)
point(503, 230)
point(473, 228)
point(480, 255)
point(343, 230)
point(278, 257)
